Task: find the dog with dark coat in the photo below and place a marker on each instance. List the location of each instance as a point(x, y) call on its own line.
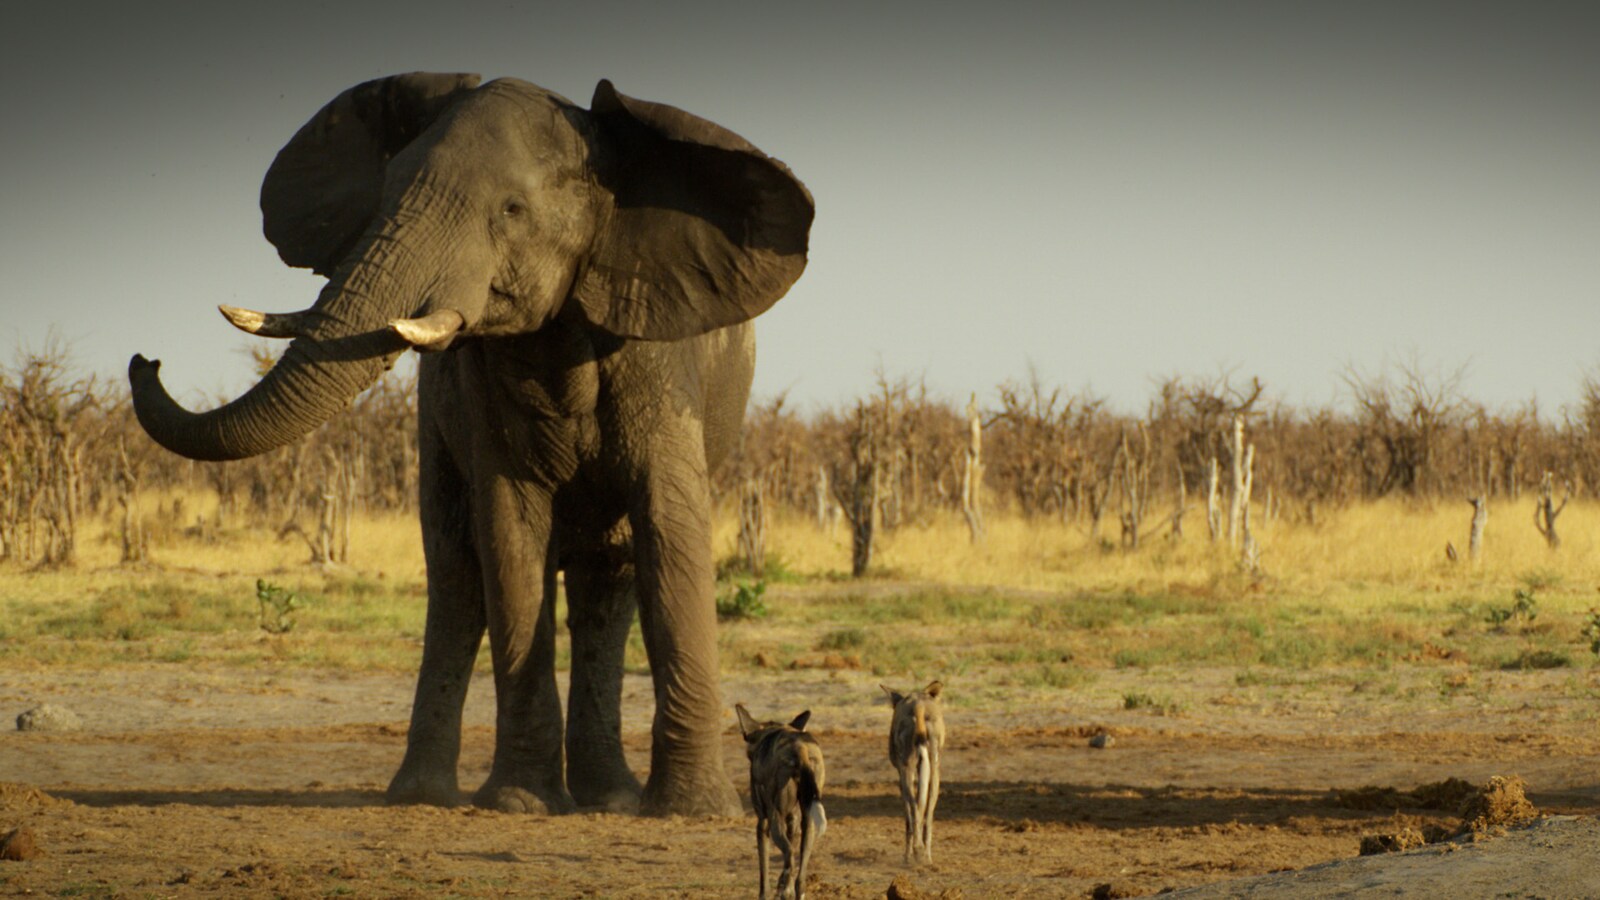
point(786, 779)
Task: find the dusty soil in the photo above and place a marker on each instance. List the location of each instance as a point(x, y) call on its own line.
point(270, 783)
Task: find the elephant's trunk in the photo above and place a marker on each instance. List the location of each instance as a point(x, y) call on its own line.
point(348, 346)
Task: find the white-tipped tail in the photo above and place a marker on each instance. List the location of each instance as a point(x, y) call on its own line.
point(924, 774)
point(819, 819)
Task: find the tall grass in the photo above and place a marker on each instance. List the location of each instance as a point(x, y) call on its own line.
point(1042, 600)
point(1363, 547)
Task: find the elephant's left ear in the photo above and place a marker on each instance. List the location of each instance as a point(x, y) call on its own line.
point(703, 229)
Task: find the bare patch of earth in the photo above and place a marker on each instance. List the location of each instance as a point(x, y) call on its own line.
point(270, 782)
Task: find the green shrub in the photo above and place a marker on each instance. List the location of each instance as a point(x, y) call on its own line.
point(743, 601)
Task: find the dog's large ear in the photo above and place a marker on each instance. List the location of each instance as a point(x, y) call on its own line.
point(799, 723)
point(933, 689)
point(701, 229)
point(894, 696)
point(747, 723)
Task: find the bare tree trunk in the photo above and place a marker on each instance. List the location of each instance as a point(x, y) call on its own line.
point(972, 474)
point(753, 527)
point(825, 507)
point(861, 503)
point(1235, 507)
point(1480, 518)
point(1183, 506)
point(1250, 551)
point(134, 546)
point(1213, 509)
point(1545, 510)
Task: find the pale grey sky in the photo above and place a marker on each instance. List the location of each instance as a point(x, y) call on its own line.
point(1112, 191)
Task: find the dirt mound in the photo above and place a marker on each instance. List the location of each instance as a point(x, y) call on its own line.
point(1395, 842)
point(1500, 802)
point(20, 796)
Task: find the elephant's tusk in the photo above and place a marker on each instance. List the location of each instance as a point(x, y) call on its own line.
point(429, 331)
point(268, 325)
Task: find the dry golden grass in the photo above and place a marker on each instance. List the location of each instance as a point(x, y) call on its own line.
point(1367, 586)
point(1383, 543)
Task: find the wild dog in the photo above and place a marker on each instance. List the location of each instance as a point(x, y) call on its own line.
point(786, 778)
point(916, 737)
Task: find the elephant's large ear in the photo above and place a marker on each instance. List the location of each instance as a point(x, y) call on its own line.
point(703, 229)
point(325, 185)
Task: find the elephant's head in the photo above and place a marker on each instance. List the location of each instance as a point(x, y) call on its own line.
point(440, 210)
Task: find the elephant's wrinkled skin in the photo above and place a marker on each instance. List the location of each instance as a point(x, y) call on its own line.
point(588, 275)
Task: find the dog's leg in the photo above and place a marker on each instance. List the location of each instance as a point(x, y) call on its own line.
point(908, 803)
point(779, 828)
point(761, 852)
point(933, 801)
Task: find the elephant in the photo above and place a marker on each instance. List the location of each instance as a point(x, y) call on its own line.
point(580, 283)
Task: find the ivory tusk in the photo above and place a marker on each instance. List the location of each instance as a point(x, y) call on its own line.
point(268, 325)
point(430, 330)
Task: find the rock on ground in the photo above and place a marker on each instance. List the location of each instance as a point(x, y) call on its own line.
point(49, 717)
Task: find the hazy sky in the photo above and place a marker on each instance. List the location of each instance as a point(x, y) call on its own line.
point(1112, 191)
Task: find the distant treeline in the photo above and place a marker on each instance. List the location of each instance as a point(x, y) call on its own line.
point(70, 449)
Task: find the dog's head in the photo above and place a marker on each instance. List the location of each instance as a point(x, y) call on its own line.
point(931, 692)
point(755, 733)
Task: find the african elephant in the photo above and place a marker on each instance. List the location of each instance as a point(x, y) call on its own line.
point(589, 276)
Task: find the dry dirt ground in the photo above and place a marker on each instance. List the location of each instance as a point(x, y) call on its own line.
point(250, 782)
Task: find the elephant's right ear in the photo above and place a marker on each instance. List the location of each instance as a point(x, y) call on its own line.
point(326, 183)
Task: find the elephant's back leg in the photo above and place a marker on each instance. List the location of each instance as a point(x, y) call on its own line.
point(455, 621)
point(600, 608)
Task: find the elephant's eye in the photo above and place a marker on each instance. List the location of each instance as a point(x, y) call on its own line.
point(513, 209)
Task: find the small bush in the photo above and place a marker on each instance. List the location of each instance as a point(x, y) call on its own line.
point(1591, 631)
point(843, 639)
point(1161, 706)
point(277, 607)
point(1538, 659)
point(1524, 608)
point(743, 601)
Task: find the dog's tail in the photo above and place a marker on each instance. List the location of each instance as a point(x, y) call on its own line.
point(924, 775)
point(813, 818)
point(810, 796)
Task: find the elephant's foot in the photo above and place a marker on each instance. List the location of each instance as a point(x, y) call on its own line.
point(417, 783)
point(702, 791)
point(523, 796)
point(609, 786)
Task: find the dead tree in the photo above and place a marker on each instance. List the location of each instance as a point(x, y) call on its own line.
point(135, 547)
point(972, 473)
point(1480, 518)
point(1135, 478)
point(1249, 550)
point(827, 509)
point(1237, 501)
point(753, 527)
point(1213, 508)
point(857, 493)
point(1545, 510)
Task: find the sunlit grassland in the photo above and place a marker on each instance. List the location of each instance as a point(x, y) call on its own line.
point(1038, 603)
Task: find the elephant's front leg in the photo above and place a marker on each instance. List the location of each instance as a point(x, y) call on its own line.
point(600, 607)
point(677, 614)
point(454, 632)
point(519, 594)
